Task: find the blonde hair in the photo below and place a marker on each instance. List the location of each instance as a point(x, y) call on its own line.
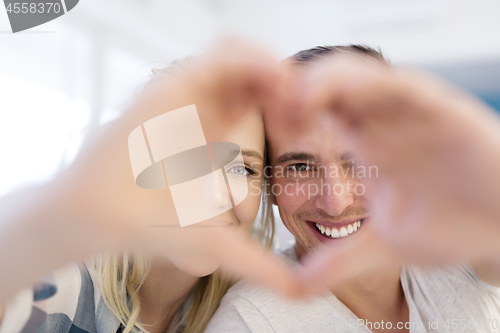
point(119, 276)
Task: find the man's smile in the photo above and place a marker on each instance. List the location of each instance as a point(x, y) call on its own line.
point(325, 231)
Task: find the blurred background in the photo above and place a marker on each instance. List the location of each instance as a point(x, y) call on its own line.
point(61, 81)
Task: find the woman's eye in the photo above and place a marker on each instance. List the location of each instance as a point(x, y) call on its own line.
point(241, 170)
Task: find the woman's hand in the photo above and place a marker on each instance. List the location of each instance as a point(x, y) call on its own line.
point(224, 85)
point(95, 205)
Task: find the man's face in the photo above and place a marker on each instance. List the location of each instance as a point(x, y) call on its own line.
point(317, 185)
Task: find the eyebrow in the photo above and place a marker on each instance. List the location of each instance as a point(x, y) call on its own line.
point(347, 156)
point(297, 156)
point(252, 153)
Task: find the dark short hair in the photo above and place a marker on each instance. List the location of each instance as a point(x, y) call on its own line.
point(314, 53)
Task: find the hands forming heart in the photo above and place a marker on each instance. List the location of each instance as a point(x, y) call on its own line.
point(435, 199)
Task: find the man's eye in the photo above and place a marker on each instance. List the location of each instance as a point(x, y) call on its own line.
point(299, 167)
point(241, 170)
point(352, 164)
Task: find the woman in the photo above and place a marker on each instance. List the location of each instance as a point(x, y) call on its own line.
point(94, 206)
point(193, 286)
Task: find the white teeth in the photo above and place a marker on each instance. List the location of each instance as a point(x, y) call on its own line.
point(342, 232)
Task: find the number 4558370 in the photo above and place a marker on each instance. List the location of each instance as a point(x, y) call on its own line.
point(23, 7)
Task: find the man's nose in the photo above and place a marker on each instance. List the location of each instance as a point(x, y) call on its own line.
point(335, 194)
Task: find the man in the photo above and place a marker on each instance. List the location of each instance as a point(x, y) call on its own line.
point(323, 198)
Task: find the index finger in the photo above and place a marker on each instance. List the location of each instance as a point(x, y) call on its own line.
point(334, 264)
point(234, 251)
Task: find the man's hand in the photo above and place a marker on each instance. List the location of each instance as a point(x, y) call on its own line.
point(437, 151)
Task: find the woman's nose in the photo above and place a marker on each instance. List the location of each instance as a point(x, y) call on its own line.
point(216, 192)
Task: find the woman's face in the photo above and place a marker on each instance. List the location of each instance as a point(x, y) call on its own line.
point(248, 134)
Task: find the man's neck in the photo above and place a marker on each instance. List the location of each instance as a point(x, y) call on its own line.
point(373, 295)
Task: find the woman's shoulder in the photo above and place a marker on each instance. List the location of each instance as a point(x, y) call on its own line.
point(71, 305)
point(69, 299)
point(78, 288)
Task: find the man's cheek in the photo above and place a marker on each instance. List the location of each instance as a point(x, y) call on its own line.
point(290, 196)
point(362, 189)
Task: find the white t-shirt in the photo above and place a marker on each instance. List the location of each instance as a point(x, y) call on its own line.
point(451, 299)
